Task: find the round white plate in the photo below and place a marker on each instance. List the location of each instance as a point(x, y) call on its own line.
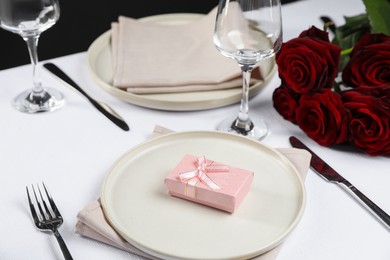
point(137, 204)
point(99, 63)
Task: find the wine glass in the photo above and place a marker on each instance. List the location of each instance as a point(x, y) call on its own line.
point(248, 31)
point(29, 18)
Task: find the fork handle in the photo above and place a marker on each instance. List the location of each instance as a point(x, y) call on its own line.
point(63, 246)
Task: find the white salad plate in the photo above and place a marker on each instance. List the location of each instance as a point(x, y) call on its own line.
point(100, 68)
point(138, 206)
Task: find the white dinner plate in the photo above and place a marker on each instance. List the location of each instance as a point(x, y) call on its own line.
point(137, 204)
point(99, 63)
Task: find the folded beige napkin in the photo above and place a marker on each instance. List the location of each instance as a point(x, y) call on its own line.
point(155, 58)
point(92, 223)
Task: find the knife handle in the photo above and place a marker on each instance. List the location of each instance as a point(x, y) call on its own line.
point(367, 203)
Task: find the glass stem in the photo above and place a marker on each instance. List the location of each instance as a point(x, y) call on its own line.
point(32, 45)
point(244, 107)
point(243, 123)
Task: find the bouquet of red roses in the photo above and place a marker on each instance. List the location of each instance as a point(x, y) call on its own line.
point(355, 111)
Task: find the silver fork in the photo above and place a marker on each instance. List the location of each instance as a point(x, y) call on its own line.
point(48, 217)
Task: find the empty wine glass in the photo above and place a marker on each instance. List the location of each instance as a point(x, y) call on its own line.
point(29, 18)
point(248, 31)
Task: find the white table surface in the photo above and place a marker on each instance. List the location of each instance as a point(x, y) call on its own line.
point(73, 148)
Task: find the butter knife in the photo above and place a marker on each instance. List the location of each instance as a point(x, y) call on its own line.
point(329, 174)
point(102, 107)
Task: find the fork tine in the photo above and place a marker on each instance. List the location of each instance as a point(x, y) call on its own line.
point(39, 204)
point(51, 201)
point(48, 213)
point(32, 208)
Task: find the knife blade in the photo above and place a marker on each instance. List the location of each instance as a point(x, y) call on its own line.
point(329, 174)
point(102, 107)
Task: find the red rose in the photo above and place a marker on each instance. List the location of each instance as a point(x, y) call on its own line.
point(370, 62)
point(381, 95)
point(285, 102)
point(323, 117)
point(370, 122)
point(309, 62)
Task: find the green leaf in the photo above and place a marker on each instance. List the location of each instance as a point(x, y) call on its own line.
point(379, 15)
point(348, 34)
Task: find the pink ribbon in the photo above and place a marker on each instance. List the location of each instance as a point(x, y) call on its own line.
point(200, 174)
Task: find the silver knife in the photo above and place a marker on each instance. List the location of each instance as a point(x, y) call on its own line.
point(328, 173)
point(102, 107)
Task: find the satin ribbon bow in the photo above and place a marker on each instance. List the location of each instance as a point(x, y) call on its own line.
point(200, 174)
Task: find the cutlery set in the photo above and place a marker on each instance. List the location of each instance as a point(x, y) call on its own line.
point(44, 211)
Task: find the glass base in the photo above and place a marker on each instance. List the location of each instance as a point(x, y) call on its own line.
point(46, 101)
point(254, 128)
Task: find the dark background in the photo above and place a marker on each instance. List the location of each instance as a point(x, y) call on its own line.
point(82, 21)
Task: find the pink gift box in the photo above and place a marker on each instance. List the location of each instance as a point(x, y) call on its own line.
point(209, 182)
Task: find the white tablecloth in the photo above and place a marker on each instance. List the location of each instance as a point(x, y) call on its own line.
point(73, 148)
